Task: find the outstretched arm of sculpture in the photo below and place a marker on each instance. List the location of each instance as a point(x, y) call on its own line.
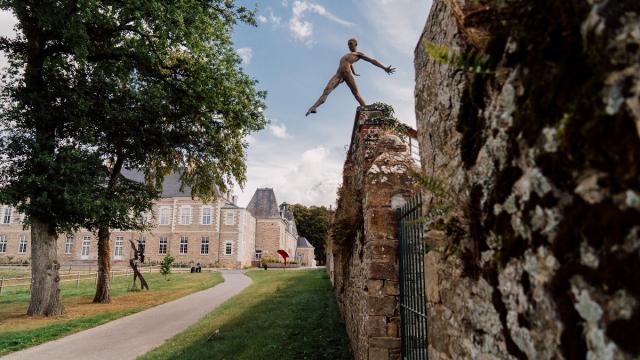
point(353, 71)
point(390, 70)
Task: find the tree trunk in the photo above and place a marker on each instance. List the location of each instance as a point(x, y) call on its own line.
point(103, 288)
point(45, 292)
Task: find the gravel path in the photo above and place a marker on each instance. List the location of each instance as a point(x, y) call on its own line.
point(134, 335)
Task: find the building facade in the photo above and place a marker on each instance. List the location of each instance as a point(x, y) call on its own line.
point(276, 225)
point(215, 234)
point(305, 254)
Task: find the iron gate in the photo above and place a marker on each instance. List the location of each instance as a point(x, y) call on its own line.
point(413, 304)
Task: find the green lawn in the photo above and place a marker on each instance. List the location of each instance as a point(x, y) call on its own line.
point(18, 331)
point(282, 315)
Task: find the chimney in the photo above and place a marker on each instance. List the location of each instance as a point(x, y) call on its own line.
point(234, 199)
point(284, 207)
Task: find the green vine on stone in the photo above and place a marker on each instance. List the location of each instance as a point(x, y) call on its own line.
point(471, 61)
point(389, 119)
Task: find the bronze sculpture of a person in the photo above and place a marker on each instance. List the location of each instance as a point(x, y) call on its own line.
point(346, 74)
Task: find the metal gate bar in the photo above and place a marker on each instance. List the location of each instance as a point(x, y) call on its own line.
point(413, 307)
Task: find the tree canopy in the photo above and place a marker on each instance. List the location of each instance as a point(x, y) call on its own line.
point(313, 223)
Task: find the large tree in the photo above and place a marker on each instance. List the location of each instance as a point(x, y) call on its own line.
point(313, 223)
point(80, 72)
point(185, 106)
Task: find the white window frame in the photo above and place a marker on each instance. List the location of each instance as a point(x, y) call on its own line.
point(3, 244)
point(228, 248)
point(258, 254)
point(68, 245)
point(86, 244)
point(6, 216)
point(165, 219)
point(163, 245)
point(184, 241)
point(22, 245)
point(229, 218)
point(204, 245)
point(184, 216)
point(119, 245)
point(207, 217)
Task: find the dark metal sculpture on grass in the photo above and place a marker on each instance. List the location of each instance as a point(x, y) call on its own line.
point(138, 257)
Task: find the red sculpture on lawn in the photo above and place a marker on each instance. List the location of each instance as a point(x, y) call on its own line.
point(284, 256)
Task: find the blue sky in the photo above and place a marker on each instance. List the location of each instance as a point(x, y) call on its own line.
point(292, 53)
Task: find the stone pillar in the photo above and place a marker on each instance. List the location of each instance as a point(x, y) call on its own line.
point(366, 265)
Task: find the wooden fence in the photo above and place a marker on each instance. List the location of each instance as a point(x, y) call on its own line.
point(77, 276)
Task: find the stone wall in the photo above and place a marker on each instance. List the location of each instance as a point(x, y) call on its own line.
point(363, 259)
point(269, 233)
point(533, 130)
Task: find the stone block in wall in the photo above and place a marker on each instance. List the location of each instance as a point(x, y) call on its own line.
point(393, 327)
point(374, 287)
point(382, 251)
point(385, 342)
point(383, 271)
point(380, 220)
point(432, 278)
point(386, 305)
point(376, 325)
point(378, 354)
point(391, 287)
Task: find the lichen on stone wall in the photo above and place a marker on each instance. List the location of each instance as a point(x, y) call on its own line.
point(546, 145)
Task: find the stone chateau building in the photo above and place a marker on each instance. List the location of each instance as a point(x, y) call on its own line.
point(216, 234)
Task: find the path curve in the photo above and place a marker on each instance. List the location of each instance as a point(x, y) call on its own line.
point(134, 335)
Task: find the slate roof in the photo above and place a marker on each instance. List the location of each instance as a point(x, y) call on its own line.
point(304, 243)
point(230, 206)
point(263, 204)
point(170, 185)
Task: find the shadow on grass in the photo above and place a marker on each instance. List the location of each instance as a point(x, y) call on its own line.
point(283, 315)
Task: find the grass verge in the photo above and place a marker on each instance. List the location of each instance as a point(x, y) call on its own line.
point(19, 331)
point(282, 314)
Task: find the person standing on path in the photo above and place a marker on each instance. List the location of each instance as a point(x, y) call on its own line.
point(346, 74)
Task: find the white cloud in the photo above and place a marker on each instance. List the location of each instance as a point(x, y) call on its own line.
point(262, 19)
point(275, 20)
point(302, 29)
point(309, 177)
point(399, 26)
point(278, 130)
point(245, 54)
